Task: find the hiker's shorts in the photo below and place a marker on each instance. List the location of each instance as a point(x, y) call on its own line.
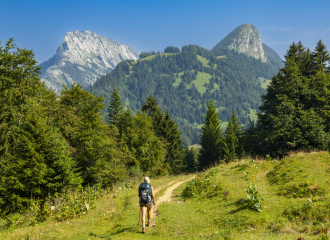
point(148, 204)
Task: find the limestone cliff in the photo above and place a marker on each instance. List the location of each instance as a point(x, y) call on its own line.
point(244, 39)
point(82, 58)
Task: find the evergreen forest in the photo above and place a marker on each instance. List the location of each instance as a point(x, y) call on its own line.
point(183, 82)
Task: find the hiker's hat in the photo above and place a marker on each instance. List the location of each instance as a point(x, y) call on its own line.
point(147, 180)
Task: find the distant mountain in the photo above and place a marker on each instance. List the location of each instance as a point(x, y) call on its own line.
point(82, 58)
point(184, 82)
point(246, 39)
point(234, 74)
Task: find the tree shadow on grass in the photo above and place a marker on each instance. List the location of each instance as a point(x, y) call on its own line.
point(240, 206)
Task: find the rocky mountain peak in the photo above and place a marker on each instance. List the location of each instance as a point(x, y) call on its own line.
point(244, 39)
point(82, 58)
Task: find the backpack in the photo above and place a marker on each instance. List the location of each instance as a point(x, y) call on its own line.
point(145, 192)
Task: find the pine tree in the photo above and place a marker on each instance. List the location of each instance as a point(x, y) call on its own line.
point(295, 110)
point(34, 157)
point(166, 128)
point(175, 150)
point(94, 146)
point(115, 107)
point(38, 165)
point(321, 57)
point(230, 142)
point(19, 81)
point(191, 160)
point(238, 133)
point(151, 108)
point(211, 139)
point(143, 148)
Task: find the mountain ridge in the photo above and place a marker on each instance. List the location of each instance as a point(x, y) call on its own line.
point(82, 58)
point(244, 39)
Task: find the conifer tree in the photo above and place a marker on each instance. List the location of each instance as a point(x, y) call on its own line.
point(93, 145)
point(19, 81)
point(321, 57)
point(238, 131)
point(191, 160)
point(151, 108)
point(295, 110)
point(175, 150)
point(166, 128)
point(115, 107)
point(143, 148)
point(211, 139)
point(125, 122)
point(39, 166)
point(230, 142)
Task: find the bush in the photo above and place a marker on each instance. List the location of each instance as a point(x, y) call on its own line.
point(204, 185)
point(254, 199)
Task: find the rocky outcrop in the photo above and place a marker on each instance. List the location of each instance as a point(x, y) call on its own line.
point(244, 39)
point(82, 58)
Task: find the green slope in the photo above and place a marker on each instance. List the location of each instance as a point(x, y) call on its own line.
point(287, 213)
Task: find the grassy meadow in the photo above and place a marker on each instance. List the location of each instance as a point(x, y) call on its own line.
point(296, 204)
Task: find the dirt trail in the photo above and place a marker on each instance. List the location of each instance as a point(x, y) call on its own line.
point(157, 189)
point(168, 193)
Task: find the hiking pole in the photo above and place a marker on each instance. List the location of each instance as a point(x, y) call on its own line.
point(154, 225)
point(139, 217)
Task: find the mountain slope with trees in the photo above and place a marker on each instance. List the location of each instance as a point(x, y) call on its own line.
point(184, 81)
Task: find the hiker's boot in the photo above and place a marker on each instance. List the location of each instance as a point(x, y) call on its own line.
point(143, 229)
point(149, 223)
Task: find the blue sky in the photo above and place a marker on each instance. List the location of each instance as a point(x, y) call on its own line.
point(152, 25)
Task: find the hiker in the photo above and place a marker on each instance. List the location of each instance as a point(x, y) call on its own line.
point(147, 197)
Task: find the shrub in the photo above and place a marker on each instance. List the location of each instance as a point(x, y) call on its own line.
point(254, 199)
point(204, 184)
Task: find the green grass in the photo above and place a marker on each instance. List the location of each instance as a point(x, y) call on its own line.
point(203, 60)
point(264, 82)
point(195, 146)
point(115, 214)
point(282, 217)
point(216, 218)
point(199, 82)
point(153, 56)
point(201, 79)
point(178, 80)
point(253, 115)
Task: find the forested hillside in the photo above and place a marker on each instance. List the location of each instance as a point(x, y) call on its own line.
point(184, 81)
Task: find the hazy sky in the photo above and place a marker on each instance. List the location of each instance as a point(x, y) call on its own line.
point(152, 25)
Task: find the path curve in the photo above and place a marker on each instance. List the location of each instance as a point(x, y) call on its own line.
point(169, 191)
point(157, 189)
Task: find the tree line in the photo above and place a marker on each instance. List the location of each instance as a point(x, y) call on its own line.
point(51, 143)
